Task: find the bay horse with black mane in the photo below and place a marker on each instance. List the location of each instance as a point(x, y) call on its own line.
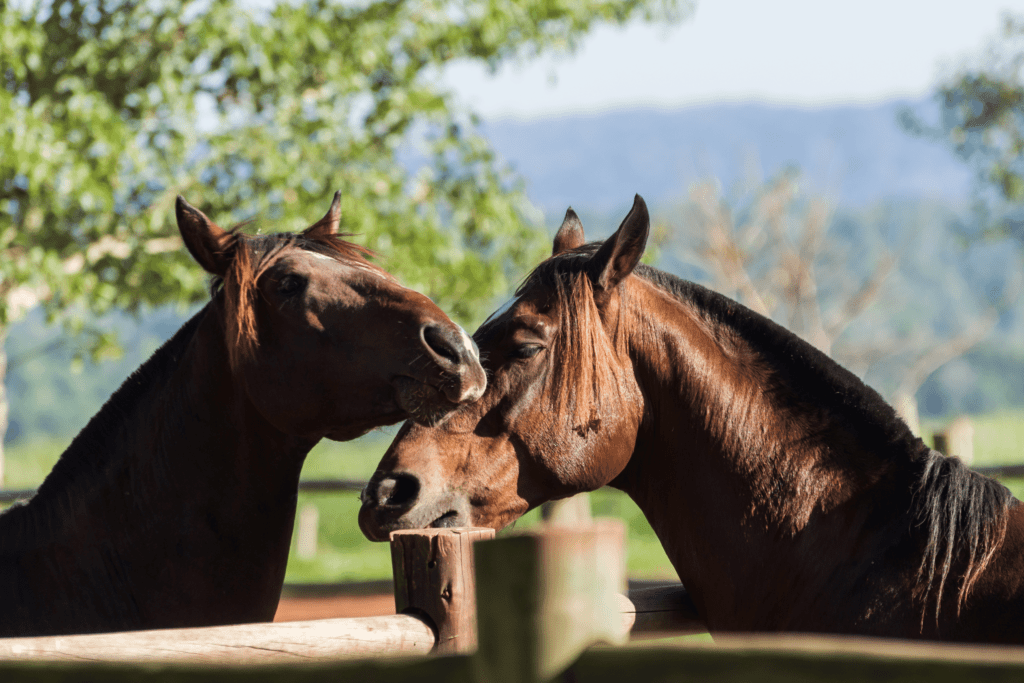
point(787, 494)
point(174, 506)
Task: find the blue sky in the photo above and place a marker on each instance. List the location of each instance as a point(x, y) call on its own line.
point(804, 52)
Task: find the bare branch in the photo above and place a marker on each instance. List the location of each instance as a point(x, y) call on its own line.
point(863, 297)
point(721, 249)
point(946, 351)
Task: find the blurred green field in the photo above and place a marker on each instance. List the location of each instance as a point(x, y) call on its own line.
point(343, 554)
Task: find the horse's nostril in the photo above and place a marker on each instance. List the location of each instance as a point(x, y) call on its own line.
point(442, 342)
point(399, 490)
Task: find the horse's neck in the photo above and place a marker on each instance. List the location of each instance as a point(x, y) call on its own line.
point(727, 478)
point(177, 477)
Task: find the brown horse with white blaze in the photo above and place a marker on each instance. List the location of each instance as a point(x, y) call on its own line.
point(175, 505)
point(787, 494)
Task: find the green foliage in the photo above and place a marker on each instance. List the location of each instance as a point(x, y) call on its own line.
point(983, 117)
point(113, 108)
point(87, 105)
point(983, 121)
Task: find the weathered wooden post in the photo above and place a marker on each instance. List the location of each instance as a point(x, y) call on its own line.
point(572, 511)
point(905, 404)
point(543, 597)
point(957, 439)
point(433, 573)
point(306, 535)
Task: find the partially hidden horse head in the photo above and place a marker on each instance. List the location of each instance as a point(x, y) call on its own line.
point(327, 343)
point(563, 408)
point(174, 506)
point(787, 494)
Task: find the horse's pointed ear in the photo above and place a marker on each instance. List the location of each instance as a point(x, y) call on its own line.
point(206, 241)
point(620, 253)
point(570, 235)
point(328, 225)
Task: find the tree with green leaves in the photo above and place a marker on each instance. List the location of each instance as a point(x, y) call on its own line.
point(112, 108)
point(982, 119)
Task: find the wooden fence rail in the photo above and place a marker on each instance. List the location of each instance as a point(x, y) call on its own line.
point(8, 496)
point(247, 644)
point(322, 640)
point(544, 602)
point(765, 659)
point(434, 579)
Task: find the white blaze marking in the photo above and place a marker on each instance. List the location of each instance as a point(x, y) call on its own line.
point(468, 342)
point(358, 265)
point(502, 310)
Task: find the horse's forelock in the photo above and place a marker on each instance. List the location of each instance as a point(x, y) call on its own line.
point(584, 377)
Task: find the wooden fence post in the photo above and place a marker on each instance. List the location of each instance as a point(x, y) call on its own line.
point(433, 573)
point(572, 511)
point(957, 439)
point(905, 404)
point(306, 535)
point(546, 596)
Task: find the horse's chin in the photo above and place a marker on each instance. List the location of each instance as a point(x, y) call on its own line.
point(425, 404)
point(387, 415)
point(375, 531)
point(449, 520)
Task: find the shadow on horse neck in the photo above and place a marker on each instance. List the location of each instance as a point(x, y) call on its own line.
point(787, 494)
point(174, 506)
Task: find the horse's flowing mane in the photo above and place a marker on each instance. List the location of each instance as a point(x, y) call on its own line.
point(959, 515)
point(965, 516)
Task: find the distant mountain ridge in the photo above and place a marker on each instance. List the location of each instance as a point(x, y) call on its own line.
point(596, 162)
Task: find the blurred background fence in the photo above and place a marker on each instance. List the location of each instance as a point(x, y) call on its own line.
point(330, 556)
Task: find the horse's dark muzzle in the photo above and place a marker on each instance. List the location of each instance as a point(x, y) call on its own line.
point(456, 355)
point(397, 491)
point(395, 501)
point(384, 501)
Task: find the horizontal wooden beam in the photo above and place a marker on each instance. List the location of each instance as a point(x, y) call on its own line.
point(296, 641)
point(736, 659)
point(785, 658)
point(1001, 471)
point(331, 485)
point(342, 485)
point(661, 611)
point(649, 611)
point(307, 486)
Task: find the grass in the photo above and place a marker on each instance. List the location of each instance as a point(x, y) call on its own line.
point(343, 554)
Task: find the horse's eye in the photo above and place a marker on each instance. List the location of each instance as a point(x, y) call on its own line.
point(291, 284)
point(526, 351)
